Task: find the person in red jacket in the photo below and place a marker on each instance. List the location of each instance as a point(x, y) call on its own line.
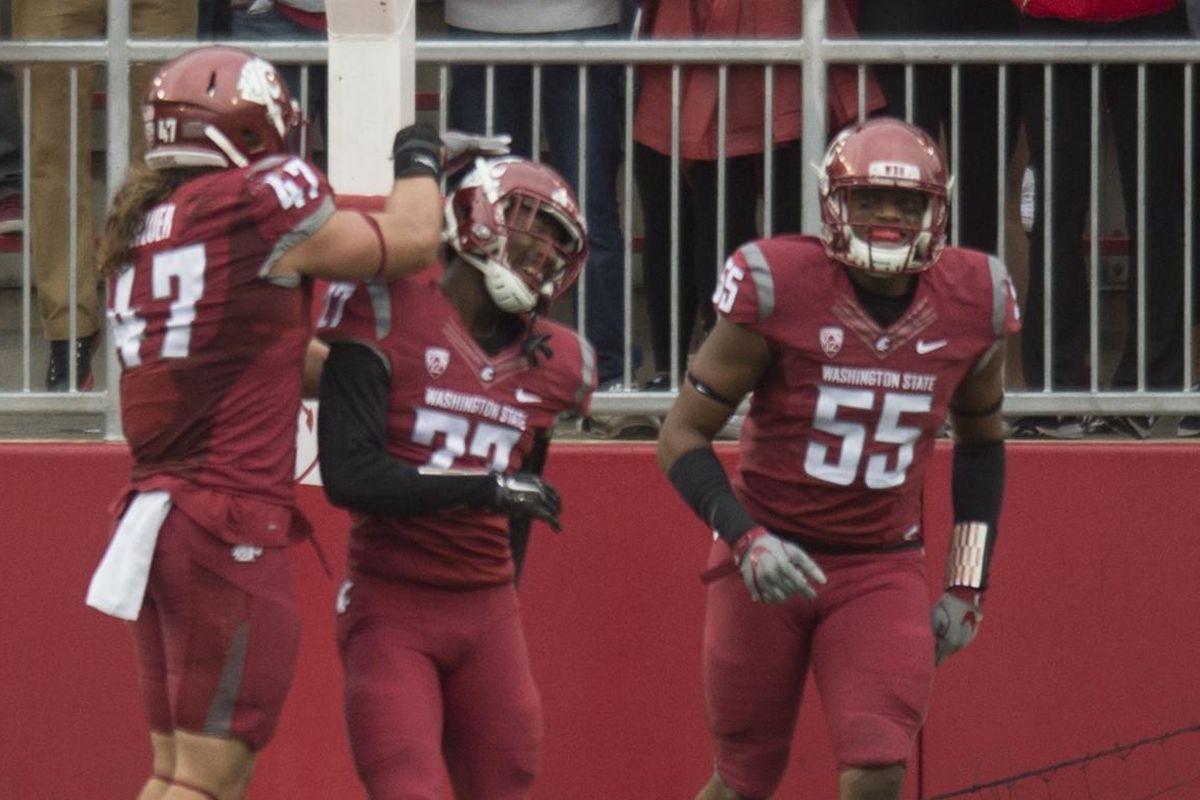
point(1070, 154)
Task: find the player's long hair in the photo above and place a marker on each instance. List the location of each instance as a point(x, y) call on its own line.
point(143, 189)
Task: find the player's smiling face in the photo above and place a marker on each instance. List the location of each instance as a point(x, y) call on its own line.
point(886, 216)
point(535, 252)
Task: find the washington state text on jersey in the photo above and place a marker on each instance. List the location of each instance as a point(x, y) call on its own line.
point(476, 404)
point(877, 377)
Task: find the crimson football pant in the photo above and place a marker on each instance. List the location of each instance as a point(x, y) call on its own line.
point(867, 640)
point(438, 680)
point(217, 637)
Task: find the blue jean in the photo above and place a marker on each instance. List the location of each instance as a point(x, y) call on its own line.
point(604, 275)
point(274, 26)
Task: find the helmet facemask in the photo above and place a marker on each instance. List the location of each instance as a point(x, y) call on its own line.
point(886, 155)
point(529, 247)
point(898, 242)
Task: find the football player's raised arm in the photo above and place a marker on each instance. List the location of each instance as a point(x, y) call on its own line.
point(401, 240)
point(724, 370)
point(358, 245)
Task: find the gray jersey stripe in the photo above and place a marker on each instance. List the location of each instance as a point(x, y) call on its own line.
point(307, 227)
point(764, 283)
point(380, 293)
point(220, 713)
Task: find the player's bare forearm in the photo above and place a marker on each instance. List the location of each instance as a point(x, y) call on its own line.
point(977, 408)
point(725, 369)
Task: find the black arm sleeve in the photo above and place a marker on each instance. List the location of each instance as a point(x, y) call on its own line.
point(356, 469)
point(977, 482)
point(702, 483)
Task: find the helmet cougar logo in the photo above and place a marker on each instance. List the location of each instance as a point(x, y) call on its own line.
point(258, 83)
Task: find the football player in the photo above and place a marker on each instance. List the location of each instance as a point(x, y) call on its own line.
point(436, 407)
point(856, 347)
point(209, 249)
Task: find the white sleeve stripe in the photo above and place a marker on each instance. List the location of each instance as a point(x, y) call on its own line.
point(1000, 290)
point(764, 283)
point(587, 355)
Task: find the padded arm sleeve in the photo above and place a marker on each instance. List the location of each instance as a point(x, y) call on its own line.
point(356, 469)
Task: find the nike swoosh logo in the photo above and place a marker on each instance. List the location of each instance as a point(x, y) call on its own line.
point(526, 397)
point(924, 347)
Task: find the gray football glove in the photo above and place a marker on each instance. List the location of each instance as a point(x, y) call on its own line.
point(463, 148)
point(526, 494)
point(955, 619)
point(774, 569)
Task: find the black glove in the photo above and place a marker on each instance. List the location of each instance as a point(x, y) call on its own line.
point(525, 494)
point(417, 150)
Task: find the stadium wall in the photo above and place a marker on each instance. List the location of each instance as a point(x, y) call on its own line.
point(1091, 636)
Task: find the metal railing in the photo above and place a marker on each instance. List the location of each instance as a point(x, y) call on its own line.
point(812, 53)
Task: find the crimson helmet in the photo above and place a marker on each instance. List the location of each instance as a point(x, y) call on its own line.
point(216, 106)
point(497, 203)
point(884, 153)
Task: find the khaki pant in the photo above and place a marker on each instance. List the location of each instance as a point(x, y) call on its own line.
point(48, 207)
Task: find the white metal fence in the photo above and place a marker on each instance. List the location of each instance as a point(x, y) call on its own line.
point(21, 394)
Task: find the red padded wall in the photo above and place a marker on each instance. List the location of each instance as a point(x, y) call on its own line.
point(1090, 636)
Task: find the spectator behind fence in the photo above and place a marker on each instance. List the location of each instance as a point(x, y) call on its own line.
point(604, 279)
point(818, 561)
point(1071, 120)
point(437, 674)
point(975, 175)
point(1189, 424)
point(212, 367)
point(699, 260)
point(48, 206)
point(288, 20)
point(215, 19)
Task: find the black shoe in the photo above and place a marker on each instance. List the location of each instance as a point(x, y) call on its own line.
point(1133, 426)
point(661, 382)
point(1047, 428)
point(58, 373)
point(1189, 425)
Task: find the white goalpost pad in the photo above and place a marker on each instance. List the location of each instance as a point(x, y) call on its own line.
point(372, 94)
point(372, 89)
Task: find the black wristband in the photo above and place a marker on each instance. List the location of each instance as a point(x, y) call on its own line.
point(977, 482)
point(701, 481)
point(417, 150)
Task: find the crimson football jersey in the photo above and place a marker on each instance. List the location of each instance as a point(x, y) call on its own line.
point(211, 347)
point(836, 443)
point(452, 405)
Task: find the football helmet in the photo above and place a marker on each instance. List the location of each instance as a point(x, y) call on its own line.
point(216, 106)
point(883, 153)
point(490, 223)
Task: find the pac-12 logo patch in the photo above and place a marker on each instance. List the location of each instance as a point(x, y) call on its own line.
point(831, 340)
point(436, 360)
